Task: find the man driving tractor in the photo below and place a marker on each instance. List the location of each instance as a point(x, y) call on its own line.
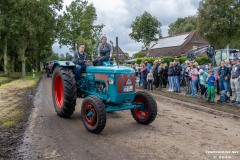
point(105, 52)
point(80, 59)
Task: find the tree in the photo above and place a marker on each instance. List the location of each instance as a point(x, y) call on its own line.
point(219, 21)
point(29, 24)
point(183, 25)
point(145, 28)
point(76, 25)
point(139, 55)
point(6, 9)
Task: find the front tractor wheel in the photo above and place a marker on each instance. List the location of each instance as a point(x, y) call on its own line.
point(64, 92)
point(148, 113)
point(93, 114)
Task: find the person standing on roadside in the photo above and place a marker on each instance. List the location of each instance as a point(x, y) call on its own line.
point(171, 77)
point(203, 85)
point(150, 79)
point(177, 73)
point(165, 75)
point(224, 74)
point(211, 87)
point(187, 78)
point(155, 73)
point(235, 81)
point(144, 75)
point(194, 80)
point(160, 75)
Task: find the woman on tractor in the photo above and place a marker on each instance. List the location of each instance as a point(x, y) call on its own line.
point(105, 52)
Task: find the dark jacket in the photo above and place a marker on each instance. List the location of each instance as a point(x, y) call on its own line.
point(170, 71)
point(177, 70)
point(155, 68)
point(226, 72)
point(80, 59)
point(165, 72)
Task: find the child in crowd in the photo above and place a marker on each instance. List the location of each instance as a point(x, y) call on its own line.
point(210, 86)
point(203, 85)
point(150, 79)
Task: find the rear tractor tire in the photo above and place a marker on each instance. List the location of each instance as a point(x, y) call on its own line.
point(93, 114)
point(147, 114)
point(64, 92)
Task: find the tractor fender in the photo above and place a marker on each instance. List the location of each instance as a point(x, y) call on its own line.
point(64, 64)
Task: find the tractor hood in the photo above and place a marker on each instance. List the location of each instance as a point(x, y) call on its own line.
point(110, 70)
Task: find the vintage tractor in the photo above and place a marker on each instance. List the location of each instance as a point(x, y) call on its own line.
point(105, 88)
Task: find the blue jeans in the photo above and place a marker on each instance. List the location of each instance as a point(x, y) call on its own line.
point(79, 69)
point(223, 85)
point(194, 87)
point(177, 83)
point(144, 80)
point(171, 82)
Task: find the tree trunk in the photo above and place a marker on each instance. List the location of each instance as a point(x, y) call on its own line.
point(23, 69)
point(39, 62)
point(5, 56)
point(13, 63)
point(22, 57)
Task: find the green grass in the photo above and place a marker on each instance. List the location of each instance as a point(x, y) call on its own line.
point(10, 119)
point(4, 80)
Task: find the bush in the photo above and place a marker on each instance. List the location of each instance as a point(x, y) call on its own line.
point(167, 59)
point(202, 60)
point(182, 59)
point(138, 60)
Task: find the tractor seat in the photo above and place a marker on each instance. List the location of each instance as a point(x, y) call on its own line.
point(107, 63)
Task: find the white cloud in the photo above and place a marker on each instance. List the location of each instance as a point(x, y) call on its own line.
point(117, 16)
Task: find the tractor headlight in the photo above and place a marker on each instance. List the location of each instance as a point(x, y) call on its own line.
point(110, 81)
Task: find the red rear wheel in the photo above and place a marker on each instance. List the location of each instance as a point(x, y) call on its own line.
point(58, 90)
point(64, 92)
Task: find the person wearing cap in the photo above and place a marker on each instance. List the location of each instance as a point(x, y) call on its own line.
point(105, 52)
point(224, 74)
point(203, 85)
point(210, 86)
point(235, 81)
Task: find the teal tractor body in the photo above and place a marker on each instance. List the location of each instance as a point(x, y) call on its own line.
point(107, 88)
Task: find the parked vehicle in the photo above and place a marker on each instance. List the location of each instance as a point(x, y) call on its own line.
point(49, 68)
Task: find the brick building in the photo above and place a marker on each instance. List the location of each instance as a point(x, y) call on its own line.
point(176, 45)
point(121, 54)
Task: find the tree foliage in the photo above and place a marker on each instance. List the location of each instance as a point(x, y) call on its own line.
point(219, 21)
point(31, 31)
point(183, 25)
point(139, 55)
point(77, 25)
point(145, 28)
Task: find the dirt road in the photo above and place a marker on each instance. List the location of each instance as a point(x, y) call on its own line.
point(177, 133)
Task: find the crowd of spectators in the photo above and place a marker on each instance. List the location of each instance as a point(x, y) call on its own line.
point(197, 81)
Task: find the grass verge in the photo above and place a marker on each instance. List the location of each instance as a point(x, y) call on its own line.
point(16, 95)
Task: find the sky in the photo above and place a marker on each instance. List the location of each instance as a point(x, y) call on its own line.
point(117, 16)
